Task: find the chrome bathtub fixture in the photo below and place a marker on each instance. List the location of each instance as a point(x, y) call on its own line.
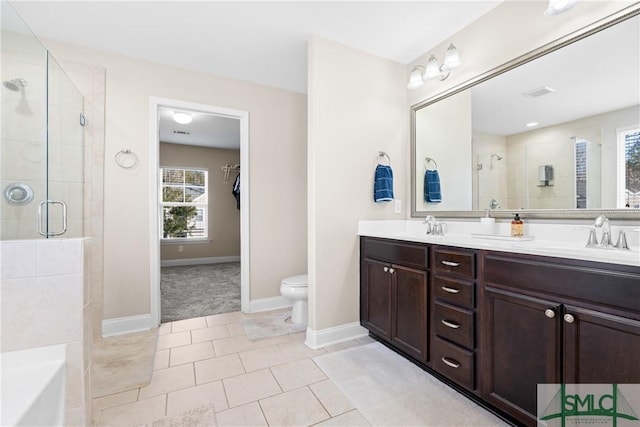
point(15, 84)
point(18, 193)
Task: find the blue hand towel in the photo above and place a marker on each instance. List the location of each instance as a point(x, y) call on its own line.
point(432, 192)
point(383, 184)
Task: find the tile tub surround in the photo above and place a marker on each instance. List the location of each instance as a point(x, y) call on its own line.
point(42, 286)
point(554, 240)
point(207, 372)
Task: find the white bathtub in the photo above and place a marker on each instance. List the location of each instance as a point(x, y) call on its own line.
point(33, 387)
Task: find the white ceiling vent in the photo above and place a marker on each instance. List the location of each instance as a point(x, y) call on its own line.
point(539, 91)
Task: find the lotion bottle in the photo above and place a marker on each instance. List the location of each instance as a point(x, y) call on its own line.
point(517, 227)
point(487, 223)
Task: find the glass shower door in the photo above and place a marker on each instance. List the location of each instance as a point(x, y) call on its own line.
point(65, 156)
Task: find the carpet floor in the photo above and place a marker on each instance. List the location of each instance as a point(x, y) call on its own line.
point(199, 290)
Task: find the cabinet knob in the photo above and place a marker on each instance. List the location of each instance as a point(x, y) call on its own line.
point(550, 313)
point(391, 271)
point(569, 318)
point(386, 269)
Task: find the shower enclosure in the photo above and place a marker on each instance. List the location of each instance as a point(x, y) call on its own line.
point(42, 150)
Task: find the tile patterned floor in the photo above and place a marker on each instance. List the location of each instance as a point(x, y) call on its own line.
point(207, 364)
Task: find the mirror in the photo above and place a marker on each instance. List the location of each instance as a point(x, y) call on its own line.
point(545, 134)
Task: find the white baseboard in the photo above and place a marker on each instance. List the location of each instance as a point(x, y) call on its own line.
point(126, 325)
point(266, 304)
point(198, 261)
point(324, 337)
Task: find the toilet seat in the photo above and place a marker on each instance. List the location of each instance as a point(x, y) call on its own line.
point(296, 281)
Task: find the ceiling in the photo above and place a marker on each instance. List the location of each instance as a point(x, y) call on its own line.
point(594, 75)
point(206, 130)
point(262, 41)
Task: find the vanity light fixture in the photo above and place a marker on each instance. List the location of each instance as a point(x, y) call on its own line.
point(556, 7)
point(182, 118)
point(433, 70)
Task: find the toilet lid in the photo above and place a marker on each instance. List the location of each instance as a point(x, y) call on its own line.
point(301, 280)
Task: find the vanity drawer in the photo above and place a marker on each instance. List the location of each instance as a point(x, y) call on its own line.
point(453, 362)
point(403, 253)
point(455, 262)
point(453, 323)
point(455, 291)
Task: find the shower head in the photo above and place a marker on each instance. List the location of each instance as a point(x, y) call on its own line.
point(496, 156)
point(15, 84)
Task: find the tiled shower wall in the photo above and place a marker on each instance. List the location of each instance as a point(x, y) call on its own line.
point(44, 294)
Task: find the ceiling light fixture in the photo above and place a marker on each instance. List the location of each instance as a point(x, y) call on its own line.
point(433, 70)
point(182, 118)
point(556, 7)
point(531, 124)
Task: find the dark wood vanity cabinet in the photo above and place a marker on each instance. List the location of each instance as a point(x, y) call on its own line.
point(453, 328)
point(548, 320)
point(393, 293)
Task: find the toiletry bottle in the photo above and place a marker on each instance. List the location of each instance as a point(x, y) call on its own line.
point(487, 223)
point(517, 227)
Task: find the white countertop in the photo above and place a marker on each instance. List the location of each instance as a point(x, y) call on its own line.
point(553, 240)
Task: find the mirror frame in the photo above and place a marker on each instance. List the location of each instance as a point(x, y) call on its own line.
point(622, 214)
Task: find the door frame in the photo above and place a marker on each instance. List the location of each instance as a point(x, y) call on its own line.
point(154, 224)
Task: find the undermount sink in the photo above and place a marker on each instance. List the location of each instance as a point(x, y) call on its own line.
point(502, 237)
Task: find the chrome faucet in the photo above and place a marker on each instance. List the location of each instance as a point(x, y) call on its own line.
point(433, 227)
point(603, 222)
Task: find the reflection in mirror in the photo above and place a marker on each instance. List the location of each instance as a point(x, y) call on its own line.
point(559, 132)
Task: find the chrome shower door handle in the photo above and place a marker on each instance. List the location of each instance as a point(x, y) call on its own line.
point(45, 232)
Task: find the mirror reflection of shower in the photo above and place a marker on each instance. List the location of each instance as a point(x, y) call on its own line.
point(494, 156)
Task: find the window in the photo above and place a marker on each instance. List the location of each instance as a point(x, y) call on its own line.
point(581, 174)
point(629, 168)
point(184, 203)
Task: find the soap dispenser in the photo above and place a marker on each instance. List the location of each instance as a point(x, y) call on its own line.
point(487, 223)
point(517, 227)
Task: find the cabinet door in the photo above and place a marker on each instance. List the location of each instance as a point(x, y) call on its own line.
point(375, 297)
point(600, 348)
point(521, 349)
point(409, 324)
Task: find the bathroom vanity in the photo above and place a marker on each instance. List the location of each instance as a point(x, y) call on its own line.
point(494, 321)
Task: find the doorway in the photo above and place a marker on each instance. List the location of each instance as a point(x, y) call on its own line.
point(178, 228)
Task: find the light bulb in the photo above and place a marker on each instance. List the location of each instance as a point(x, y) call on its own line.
point(182, 118)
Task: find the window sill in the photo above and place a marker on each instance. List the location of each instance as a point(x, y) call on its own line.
point(184, 241)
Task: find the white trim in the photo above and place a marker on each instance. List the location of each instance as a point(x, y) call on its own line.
point(337, 334)
point(126, 325)
point(198, 261)
point(154, 223)
point(266, 304)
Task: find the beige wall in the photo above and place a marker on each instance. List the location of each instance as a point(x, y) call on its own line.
point(277, 132)
point(357, 107)
point(224, 216)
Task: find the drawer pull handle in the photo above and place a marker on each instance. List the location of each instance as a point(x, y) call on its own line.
point(450, 263)
point(449, 324)
point(386, 269)
point(391, 271)
point(450, 290)
point(450, 362)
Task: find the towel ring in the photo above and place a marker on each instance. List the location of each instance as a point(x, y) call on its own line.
point(427, 160)
point(382, 154)
point(126, 159)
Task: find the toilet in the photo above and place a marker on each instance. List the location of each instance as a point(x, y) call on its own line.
point(295, 289)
